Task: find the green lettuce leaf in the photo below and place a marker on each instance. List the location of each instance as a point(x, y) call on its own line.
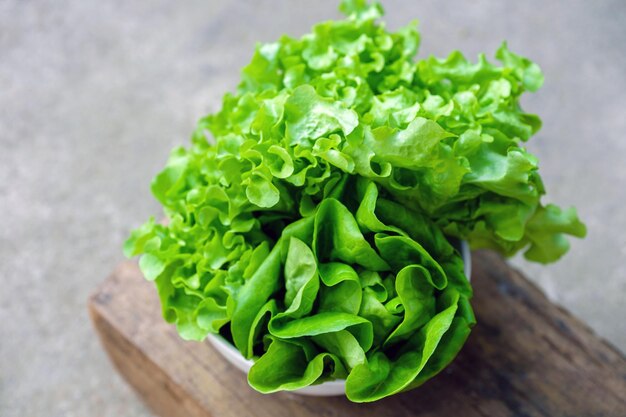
point(312, 221)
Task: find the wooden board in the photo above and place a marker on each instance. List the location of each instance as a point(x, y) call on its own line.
point(526, 357)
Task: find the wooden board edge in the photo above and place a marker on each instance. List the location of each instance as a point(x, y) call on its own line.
point(149, 381)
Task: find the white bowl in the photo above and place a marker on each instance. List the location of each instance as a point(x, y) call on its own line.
point(325, 389)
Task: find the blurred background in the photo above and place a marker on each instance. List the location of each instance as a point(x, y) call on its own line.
point(94, 94)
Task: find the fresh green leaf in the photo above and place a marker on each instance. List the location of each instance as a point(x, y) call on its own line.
point(312, 222)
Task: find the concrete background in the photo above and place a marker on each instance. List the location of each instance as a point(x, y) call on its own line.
point(93, 94)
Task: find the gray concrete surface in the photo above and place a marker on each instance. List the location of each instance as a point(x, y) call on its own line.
point(93, 94)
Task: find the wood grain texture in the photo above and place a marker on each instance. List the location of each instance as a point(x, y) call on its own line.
point(526, 357)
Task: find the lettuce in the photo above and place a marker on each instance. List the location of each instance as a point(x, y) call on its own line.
point(310, 221)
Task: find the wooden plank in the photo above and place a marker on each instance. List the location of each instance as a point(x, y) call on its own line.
point(526, 357)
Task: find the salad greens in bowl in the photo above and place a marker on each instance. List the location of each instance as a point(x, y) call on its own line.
point(312, 221)
point(327, 388)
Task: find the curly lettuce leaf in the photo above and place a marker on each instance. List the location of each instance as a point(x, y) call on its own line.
point(316, 312)
point(311, 220)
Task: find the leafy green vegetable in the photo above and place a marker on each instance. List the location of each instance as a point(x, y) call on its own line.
point(313, 229)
